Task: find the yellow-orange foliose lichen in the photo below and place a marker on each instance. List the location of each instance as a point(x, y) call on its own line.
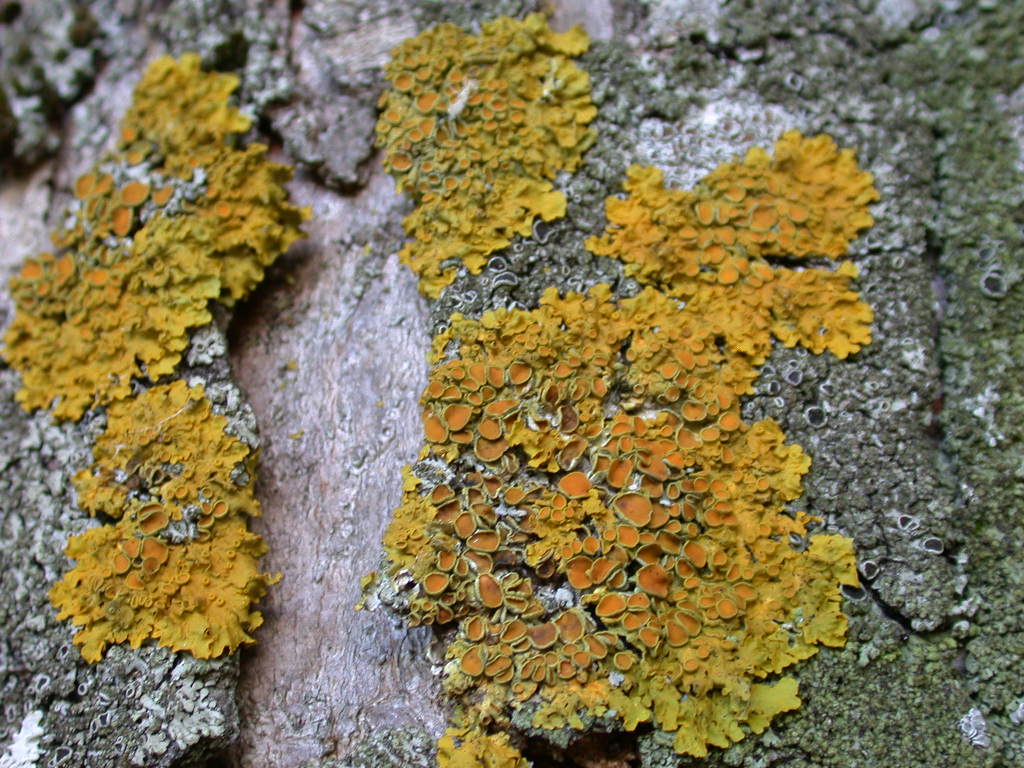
point(709, 245)
point(636, 485)
point(614, 538)
point(177, 564)
point(473, 748)
point(176, 217)
point(475, 127)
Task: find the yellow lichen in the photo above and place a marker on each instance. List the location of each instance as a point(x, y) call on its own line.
point(177, 564)
point(139, 262)
point(167, 446)
point(472, 748)
point(183, 112)
point(475, 127)
point(709, 245)
point(176, 217)
point(644, 492)
point(599, 452)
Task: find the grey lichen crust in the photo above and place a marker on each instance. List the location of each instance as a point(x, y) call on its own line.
point(388, 748)
point(148, 707)
point(971, 94)
point(248, 37)
point(49, 54)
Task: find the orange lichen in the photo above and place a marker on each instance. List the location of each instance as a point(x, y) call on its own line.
point(148, 454)
point(178, 564)
point(475, 127)
point(135, 270)
point(598, 446)
point(472, 748)
point(628, 477)
point(176, 217)
point(708, 246)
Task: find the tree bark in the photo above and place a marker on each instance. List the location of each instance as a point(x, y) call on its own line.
point(918, 458)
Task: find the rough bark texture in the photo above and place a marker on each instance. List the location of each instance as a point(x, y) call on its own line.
point(919, 458)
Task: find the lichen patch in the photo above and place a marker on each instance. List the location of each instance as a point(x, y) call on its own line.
point(176, 217)
point(176, 564)
point(711, 244)
point(612, 539)
point(474, 128)
point(618, 468)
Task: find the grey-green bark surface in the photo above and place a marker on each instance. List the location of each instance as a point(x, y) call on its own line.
point(916, 441)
